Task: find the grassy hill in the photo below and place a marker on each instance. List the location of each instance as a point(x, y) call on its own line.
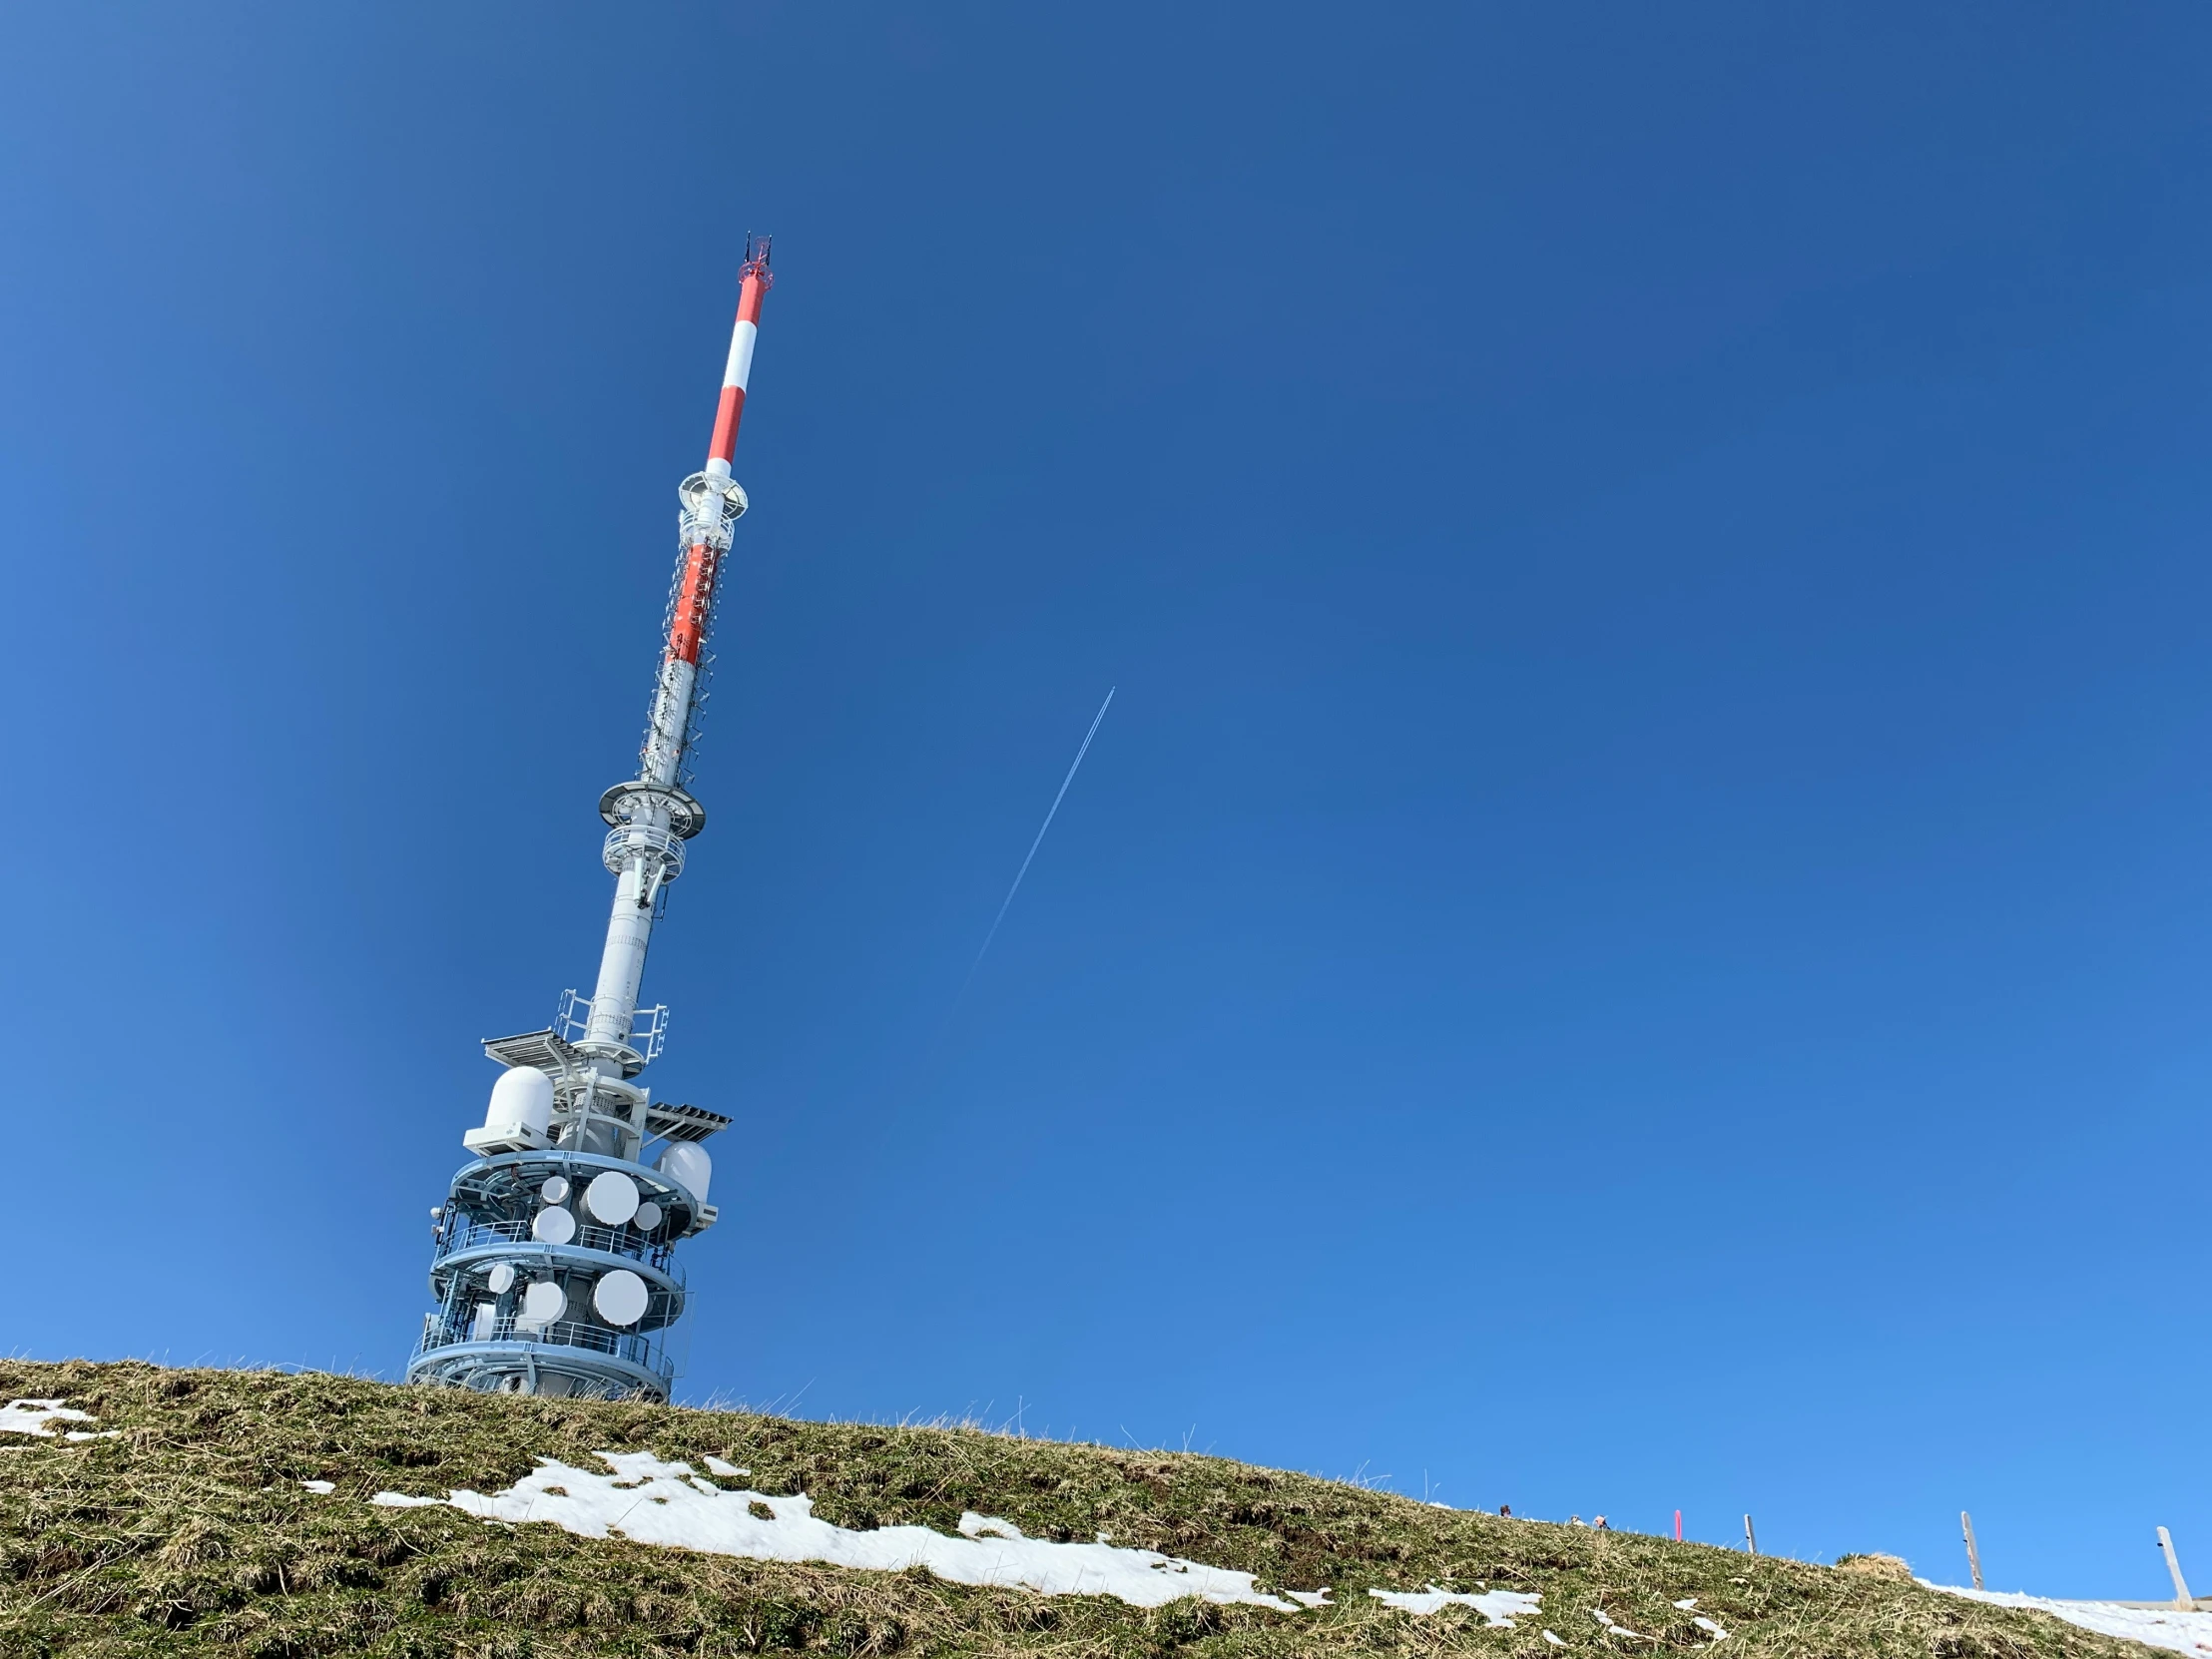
point(187, 1532)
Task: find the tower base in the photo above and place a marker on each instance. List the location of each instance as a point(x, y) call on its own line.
point(554, 1369)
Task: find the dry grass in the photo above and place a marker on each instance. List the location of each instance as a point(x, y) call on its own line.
point(188, 1534)
point(1892, 1567)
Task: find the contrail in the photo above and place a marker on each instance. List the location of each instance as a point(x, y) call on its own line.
point(1033, 846)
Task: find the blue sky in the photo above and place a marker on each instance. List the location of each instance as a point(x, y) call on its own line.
point(1638, 933)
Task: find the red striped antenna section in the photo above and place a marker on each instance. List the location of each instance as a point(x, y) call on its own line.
point(695, 597)
point(756, 279)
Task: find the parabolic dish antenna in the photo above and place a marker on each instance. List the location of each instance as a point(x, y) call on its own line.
point(648, 1217)
point(620, 1296)
point(554, 1226)
point(612, 1198)
point(543, 1302)
point(501, 1278)
point(555, 1190)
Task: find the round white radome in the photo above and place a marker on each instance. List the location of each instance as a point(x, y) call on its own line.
point(612, 1198)
point(544, 1302)
point(687, 1164)
point(501, 1278)
point(554, 1226)
point(521, 1099)
point(648, 1217)
point(620, 1297)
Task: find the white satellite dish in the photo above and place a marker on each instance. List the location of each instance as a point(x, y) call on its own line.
point(543, 1302)
point(612, 1198)
point(648, 1217)
point(620, 1296)
point(555, 1190)
point(501, 1278)
point(554, 1226)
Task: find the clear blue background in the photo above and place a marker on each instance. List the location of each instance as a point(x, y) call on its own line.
point(1637, 936)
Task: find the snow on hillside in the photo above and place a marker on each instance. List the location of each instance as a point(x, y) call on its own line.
point(38, 1417)
point(650, 1501)
point(2169, 1628)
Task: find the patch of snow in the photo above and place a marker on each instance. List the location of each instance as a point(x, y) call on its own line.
point(2163, 1627)
point(1685, 1603)
point(323, 1487)
point(35, 1417)
point(714, 1466)
point(1310, 1599)
point(1703, 1624)
point(1497, 1607)
point(1554, 1638)
point(652, 1502)
point(1611, 1629)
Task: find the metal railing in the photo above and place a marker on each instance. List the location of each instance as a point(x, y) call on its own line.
point(460, 1234)
point(648, 1026)
point(629, 840)
point(643, 1352)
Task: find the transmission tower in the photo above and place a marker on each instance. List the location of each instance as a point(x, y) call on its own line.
point(554, 1269)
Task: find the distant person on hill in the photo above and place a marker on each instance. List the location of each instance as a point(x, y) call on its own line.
point(1505, 1509)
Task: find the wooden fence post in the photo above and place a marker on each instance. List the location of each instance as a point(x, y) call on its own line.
point(1973, 1552)
point(2173, 1565)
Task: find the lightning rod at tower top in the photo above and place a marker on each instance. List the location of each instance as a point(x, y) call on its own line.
point(554, 1267)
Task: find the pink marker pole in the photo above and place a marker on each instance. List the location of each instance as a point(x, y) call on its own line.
point(1678, 1526)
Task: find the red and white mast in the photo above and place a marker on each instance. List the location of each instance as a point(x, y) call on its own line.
point(654, 816)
